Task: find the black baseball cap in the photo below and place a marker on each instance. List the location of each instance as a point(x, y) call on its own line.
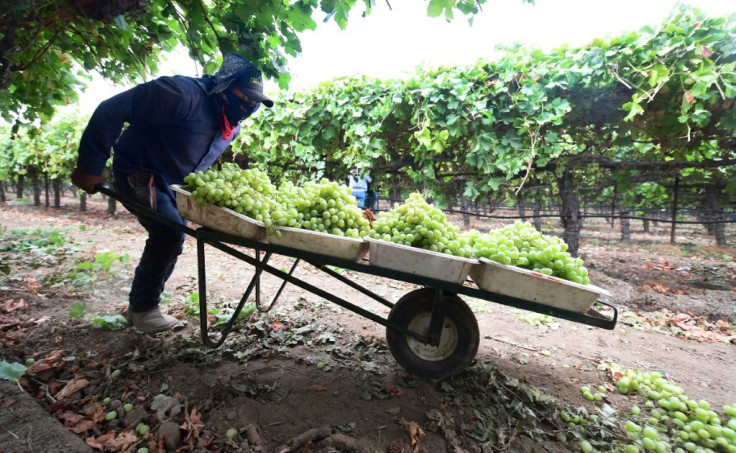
point(252, 85)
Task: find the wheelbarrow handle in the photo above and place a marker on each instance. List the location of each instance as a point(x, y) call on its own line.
point(141, 210)
point(105, 188)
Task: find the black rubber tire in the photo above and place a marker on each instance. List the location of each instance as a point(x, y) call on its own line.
point(458, 343)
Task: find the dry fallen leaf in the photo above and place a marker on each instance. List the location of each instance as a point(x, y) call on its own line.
point(122, 442)
point(393, 390)
point(12, 304)
point(71, 388)
point(97, 442)
point(368, 214)
point(415, 432)
point(52, 360)
point(193, 424)
point(32, 285)
point(83, 426)
point(70, 418)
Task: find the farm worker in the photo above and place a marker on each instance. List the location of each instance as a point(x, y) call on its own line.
point(175, 125)
point(371, 197)
point(359, 184)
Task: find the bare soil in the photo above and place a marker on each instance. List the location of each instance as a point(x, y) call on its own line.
point(308, 367)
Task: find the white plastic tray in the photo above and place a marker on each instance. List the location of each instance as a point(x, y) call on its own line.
point(347, 248)
point(218, 218)
point(533, 286)
point(417, 261)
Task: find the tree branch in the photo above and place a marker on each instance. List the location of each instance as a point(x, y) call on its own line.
point(669, 165)
point(41, 52)
point(207, 19)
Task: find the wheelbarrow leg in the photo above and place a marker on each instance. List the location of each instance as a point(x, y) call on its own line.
point(278, 293)
point(254, 283)
point(202, 278)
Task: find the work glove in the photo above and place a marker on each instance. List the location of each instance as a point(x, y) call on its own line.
point(143, 189)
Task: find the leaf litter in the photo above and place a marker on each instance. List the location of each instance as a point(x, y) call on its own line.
point(482, 407)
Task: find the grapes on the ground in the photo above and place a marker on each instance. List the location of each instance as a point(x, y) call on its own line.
point(670, 420)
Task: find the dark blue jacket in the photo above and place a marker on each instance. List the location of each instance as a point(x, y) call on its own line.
point(173, 128)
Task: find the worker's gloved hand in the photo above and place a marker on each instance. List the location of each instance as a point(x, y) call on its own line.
point(86, 181)
point(143, 189)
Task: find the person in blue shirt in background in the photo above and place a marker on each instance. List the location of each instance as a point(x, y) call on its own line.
point(175, 125)
point(359, 184)
point(371, 196)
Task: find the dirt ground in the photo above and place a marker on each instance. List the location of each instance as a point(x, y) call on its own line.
point(311, 376)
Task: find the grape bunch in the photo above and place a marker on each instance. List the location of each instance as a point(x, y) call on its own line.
point(416, 223)
point(674, 420)
point(323, 206)
point(248, 192)
point(521, 245)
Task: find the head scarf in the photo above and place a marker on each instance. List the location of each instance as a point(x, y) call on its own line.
point(233, 67)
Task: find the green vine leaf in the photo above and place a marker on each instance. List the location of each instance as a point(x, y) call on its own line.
point(12, 371)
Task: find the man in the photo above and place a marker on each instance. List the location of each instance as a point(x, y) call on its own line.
point(175, 125)
point(359, 185)
point(371, 197)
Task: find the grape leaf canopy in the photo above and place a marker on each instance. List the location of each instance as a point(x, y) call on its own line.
point(48, 49)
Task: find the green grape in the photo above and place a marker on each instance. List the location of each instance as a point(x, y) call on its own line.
point(585, 446)
point(248, 192)
point(675, 422)
point(142, 429)
point(323, 206)
point(416, 223)
point(649, 444)
point(519, 244)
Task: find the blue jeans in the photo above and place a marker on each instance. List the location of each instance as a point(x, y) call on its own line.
point(360, 195)
point(163, 247)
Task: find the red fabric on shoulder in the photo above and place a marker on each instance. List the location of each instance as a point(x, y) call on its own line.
point(227, 129)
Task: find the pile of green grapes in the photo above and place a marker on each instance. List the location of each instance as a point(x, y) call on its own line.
point(323, 206)
point(416, 223)
point(248, 192)
point(670, 421)
point(521, 245)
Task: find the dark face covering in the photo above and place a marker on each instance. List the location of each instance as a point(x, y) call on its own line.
point(236, 109)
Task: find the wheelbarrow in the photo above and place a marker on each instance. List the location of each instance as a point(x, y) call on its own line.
point(430, 331)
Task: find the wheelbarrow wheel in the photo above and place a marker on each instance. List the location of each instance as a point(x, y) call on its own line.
point(458, 343)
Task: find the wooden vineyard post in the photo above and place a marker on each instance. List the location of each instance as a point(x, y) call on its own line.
point(674, 211)
point(46, 188)
point(613, 205)
point(56, 187)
